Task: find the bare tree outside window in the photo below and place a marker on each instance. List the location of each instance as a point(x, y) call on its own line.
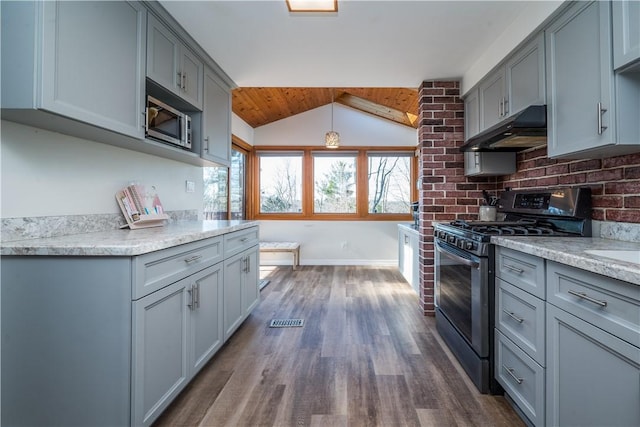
point(281, 183)
point(389, 183)
point(335, 184)
point(215, 192)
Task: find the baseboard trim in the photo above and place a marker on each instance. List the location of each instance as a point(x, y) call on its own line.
point(363, 262)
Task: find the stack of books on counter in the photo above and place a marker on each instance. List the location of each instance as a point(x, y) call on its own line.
point(141, 209)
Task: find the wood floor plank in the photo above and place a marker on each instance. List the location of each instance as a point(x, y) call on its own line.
point(366, 356)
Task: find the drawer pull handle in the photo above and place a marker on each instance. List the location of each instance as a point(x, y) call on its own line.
point(513, 375)
point(584, 296)
point(514, 269)
point(513, 316)
point(244, 239)
point(192, 259)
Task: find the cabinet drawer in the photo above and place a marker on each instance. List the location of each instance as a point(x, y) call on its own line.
point(238, 241)
point(520, 316)
point(609, 304)
point(521, 270)
point(156, 270)
point(521, 377)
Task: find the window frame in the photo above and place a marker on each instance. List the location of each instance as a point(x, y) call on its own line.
point(308, 190)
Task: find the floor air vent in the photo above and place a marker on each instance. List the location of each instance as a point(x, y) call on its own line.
point(286, 323)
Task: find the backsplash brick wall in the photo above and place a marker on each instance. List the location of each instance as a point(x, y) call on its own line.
point(614, 182)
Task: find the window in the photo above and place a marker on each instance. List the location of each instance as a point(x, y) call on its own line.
point(334, 178)
point(350, 183)
point(280, 182)
point(215, 192)
point(225, 188)
point(389, 176)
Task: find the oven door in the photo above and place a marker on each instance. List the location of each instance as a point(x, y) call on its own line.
point(462, 293)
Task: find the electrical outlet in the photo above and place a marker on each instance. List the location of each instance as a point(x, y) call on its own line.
point(190, 186)
point(344, 245)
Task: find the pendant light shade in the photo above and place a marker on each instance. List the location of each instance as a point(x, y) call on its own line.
point(332, 138)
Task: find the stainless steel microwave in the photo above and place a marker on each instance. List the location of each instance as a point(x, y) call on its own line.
point(166, 124)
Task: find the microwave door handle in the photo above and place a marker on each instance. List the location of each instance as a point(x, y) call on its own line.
point(458, 258)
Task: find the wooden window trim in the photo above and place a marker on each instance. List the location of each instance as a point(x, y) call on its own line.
point(362, 203)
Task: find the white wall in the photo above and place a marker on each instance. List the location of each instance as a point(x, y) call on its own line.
point(46, 173)
point(334, 242)
point(525, 24)
point(355, 129)
point(241, 129)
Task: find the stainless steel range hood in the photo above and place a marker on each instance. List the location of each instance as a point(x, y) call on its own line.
point(523, 130)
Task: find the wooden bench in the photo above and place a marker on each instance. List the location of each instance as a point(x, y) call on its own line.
point(293, 247)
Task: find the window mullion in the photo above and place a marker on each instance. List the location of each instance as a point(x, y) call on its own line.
point(362, 184)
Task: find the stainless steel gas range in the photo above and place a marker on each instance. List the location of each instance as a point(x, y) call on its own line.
point(464, 268)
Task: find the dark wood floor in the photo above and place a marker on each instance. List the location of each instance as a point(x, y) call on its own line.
point(365, 357)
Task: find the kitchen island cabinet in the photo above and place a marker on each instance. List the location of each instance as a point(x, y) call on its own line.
point(409, 255)
point(112, 335)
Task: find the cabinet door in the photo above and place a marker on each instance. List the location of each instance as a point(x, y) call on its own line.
point(93, 63)
point(250, 282)
point(471, 114)
point(233, 310)
point(489, 163)
point(525, 77)
point(492, 99)
point(205, 321)
point(163, 55)
point(593, 377)
point(159, 356)
point(216, 125)
point(192, 72)
point(580, 80)
point(626, 32)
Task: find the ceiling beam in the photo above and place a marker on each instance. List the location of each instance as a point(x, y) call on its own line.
point(370, 107)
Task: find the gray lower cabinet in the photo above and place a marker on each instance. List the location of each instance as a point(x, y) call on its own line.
point(176, 330)
point(593, 377)
point(79, 60)
point(216, 121)
point(110, 341)
point(241, 292)
point(626, 33)
point(172, 65)
point(520, 331)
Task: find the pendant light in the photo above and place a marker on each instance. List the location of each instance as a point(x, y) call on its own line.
point(332, 138)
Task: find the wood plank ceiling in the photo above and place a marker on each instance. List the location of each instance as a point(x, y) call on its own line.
point(259, 106)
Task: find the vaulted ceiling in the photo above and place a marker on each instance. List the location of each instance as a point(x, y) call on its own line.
point(259, 106)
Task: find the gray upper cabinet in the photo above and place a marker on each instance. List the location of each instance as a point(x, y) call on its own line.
point(525, 78)
point(172, 65)
point(87, 63)
point(492, 99)
point(592, 111)
point(471, 114)
point(216, 121)
point(626, 33)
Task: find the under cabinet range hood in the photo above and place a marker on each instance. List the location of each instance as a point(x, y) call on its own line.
point(526, 129)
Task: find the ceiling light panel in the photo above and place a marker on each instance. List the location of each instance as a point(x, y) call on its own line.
point(312, 5)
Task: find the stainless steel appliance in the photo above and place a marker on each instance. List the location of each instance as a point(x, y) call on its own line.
point(166, 124)
point(464, 268)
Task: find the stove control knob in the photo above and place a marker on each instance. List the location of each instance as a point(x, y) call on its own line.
point(469, 246)
point(442, 234)
point(451, 239)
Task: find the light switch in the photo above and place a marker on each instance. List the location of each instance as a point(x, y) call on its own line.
point(190, 186)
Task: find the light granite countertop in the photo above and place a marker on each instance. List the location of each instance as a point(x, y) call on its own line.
point(571, 251)
point(123, 242)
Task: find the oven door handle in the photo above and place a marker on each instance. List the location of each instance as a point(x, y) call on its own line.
point(458, 258)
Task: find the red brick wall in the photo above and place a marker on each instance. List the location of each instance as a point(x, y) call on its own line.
point(614, 182)
point(443, 193)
